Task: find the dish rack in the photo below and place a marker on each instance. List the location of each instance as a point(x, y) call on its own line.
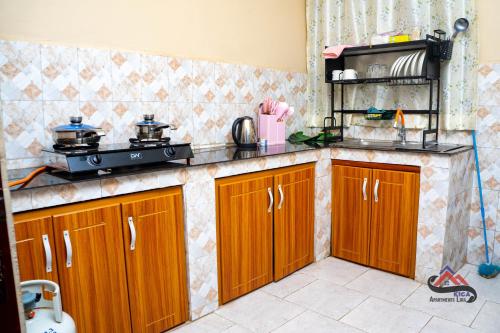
point(430, 76)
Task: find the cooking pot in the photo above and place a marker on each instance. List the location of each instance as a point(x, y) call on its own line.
point(77, 134)
point(149, 129)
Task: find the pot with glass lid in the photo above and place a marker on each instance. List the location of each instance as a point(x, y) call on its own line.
point(149, 129)
point(77, 134)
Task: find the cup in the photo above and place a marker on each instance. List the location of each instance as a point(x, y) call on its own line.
point(336, 75)
point(349, 74)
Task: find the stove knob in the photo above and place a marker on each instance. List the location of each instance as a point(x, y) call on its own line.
point(170, 151)
point(95, 160)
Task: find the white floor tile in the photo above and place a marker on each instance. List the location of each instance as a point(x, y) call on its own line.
point(335, 270)
point(438, 325)
point(488, 319)
point(235, 329)
point(489, 289)
point(376, 315)
point(260, 312)
point(459, 312)
point(383, 285)
point(211, 323)
point(288, 285)
point(313, 322)
point(327, 298)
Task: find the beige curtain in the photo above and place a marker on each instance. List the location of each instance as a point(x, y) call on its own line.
point(332, 22)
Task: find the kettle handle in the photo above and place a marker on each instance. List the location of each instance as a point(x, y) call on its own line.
point(233, 131)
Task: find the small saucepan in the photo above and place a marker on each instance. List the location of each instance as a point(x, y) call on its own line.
point(77, 134)
point(149, 129)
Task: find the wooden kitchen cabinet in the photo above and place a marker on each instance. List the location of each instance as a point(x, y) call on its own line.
point(293, 220)
point(265, 227)
point(351, 200)
point(245, 234)
point(91, 267)
point(99, 274)
point(35, 249)
point(394, 221)
point(155, 258)
point(374, 216)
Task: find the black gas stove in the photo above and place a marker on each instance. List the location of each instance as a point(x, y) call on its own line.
point(114, 156)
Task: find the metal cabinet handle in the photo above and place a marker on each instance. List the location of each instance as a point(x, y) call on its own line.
point(375, 190)
point(48, 253)
point(271, 200)
point(132, 232)
point(365, 181)
point(282, 196)
point(69, 250)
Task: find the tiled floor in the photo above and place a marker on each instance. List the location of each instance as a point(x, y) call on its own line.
point(338, 296)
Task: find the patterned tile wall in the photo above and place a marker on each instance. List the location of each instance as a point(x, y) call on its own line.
point(488, 140)
point(41, 86)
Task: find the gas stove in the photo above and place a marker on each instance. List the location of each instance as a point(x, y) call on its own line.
point(117, 156)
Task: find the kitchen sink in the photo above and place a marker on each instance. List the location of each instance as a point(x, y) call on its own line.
point(397, 146)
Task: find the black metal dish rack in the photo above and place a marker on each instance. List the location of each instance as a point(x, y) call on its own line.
point(430, 77)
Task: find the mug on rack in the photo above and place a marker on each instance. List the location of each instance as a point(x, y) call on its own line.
point(349, 74)
point(336, 75)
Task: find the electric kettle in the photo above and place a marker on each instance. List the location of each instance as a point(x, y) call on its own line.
point(244, 134)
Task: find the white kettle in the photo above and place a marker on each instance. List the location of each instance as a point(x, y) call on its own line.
point(44, 315)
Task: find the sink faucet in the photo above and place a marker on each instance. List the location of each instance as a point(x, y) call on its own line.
point(401, 129)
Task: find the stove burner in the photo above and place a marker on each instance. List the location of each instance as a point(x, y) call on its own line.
point(163, 142)
point(76, 148)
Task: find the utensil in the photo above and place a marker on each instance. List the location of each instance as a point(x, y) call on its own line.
point(336, 75)
point(243, 132)
point(77, 134)
point(349, 74)
point(149, 129)
point(461, 25)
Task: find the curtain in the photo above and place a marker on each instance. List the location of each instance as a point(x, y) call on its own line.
point(333, 22)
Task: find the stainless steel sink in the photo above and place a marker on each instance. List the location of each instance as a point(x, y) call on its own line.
point(396, 145)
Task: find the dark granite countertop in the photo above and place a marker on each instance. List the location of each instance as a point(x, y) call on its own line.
point(220, 155)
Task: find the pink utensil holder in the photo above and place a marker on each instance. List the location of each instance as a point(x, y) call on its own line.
point(271, 129)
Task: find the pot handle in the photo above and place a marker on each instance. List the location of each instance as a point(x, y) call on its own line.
point(233, 131)
point(100, 132)
point(161, 127)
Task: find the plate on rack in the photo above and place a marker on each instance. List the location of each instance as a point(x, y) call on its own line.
point(415, 62)
point(394, 66)
point(400, 69)
point(408, 64)
point(421, 62)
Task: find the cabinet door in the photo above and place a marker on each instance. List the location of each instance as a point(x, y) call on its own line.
point(156, 262)
point(245, 234)
point(293, 220)
point(351, 213)
point(36, 252)
point(91, 269)
point(394, 221)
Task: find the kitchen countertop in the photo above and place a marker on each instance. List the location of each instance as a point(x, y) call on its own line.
point(224, 154)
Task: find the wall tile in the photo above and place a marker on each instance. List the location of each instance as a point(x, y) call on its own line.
point(488, 127)
point(490, 199)
point(60, 73)
point(203, 123)
point(20, 71)
point(58, 113)
point(99, 114)
point(21, 201)
point(225, 83)
point(129, 184)
point(488, 84)
point(23, 129)
point(496, 253)
point(181, 117)
point(126, 76)
point(180, 79)
point(125, 115)
point(154, 75)
point(94, 74)
point(475, 252)
point(204, 87)
point(65, 194)
point(490, 168)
